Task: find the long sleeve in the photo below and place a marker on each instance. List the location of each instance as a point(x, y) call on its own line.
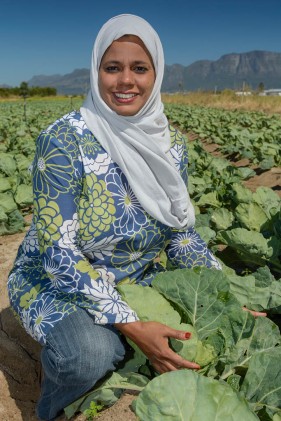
point(186, 249)
point(57, 181)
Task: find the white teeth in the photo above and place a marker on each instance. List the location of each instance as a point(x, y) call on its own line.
point(125, 96)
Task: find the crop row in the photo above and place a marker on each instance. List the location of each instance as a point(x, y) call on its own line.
point(238, 134)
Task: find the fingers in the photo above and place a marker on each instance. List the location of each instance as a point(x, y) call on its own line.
point(180, 362)
point(173, 359)
point(165, 366)
point(177, 334)
point(171, 362)
point(255, 313)
point(152, 339)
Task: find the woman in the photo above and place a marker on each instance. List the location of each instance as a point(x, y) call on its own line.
point(109, 196)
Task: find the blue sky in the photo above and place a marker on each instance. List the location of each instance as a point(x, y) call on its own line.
point(56, 36)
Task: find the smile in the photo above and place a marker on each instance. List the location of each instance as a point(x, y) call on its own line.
point(125, 96)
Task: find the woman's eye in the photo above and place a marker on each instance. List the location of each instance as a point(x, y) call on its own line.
point(140, 69)
point(111, 69)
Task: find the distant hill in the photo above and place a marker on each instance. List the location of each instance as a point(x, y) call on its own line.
point(231, 71)
point(75, 83)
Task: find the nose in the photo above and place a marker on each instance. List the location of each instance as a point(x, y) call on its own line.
point(126, 77)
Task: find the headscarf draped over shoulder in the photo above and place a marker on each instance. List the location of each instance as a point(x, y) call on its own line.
point(139, 144)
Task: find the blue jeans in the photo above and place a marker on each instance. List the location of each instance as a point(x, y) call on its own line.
point(77, 354)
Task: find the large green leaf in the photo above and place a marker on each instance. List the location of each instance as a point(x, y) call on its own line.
point(7, 202)
point(209, 199)
point(222, 218)
point(245, 172)
point(248, 292)
point(204, 296)
point(24, 195)
point(251, 216)
point(8, 165)
point(149, 304)
point(250, 243)
point(3, 215)
point(219, 164)
point(108, 392)
point(262, 383)
point(187, 396)
point(269, 201)
point(5, 185)
point(242, 194)
point(152, 306)
point(264, 337)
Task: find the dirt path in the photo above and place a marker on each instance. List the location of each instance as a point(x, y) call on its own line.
point(19, 354)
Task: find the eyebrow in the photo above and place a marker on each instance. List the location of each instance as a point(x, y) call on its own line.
point(136, 62)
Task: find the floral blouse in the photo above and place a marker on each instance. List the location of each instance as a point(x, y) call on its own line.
point(90, 233)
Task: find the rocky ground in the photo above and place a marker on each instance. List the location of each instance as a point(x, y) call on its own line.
point(19, 354)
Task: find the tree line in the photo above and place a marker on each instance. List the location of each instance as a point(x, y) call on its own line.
point(25, 91)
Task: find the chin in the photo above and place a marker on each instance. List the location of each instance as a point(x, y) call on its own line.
point(126, 112)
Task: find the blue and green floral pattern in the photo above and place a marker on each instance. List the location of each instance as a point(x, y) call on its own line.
point(89, 233)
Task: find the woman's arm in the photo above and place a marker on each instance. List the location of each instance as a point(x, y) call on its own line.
point(57, 183)
point(186, 249)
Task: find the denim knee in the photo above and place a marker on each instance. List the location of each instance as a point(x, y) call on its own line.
point(83, 356)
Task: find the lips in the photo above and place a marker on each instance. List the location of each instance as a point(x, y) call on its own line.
point(124, 98)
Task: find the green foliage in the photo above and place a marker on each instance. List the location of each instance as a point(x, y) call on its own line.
point(239, 134)
point(185, 395)
point(109, 391)
point(248, 224)
point(239, 355)
point(25, 91)
point(92, 411)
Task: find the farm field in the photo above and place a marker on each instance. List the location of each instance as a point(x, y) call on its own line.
point(235, 184)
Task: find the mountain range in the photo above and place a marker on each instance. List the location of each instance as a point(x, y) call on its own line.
point(231, 71)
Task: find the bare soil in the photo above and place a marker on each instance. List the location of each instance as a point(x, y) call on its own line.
point(20, 355)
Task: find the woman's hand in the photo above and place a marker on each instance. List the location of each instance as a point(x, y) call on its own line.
point(152, 339)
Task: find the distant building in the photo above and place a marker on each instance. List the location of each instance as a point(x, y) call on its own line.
point(271, 92)
point(243, 93)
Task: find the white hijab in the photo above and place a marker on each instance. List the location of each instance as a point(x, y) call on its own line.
point(139, 144)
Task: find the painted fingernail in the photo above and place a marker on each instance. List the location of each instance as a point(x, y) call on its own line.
point(187, 335)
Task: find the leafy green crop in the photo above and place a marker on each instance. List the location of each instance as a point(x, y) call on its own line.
point(187, 396)
point(239, 134)
point(240, 375)
point(248, 223)
point(92, 411)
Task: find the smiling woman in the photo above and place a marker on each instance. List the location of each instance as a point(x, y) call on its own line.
point(110, 196)
point(126, 75)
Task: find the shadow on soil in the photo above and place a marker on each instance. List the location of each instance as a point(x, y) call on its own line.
point(20, 363)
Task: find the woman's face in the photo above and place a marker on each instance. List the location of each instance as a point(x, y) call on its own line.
point(126, 75)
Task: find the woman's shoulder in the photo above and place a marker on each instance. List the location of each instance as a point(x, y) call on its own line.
point(72, 120)
point(70, 129)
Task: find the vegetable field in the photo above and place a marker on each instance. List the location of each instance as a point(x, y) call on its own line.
point(239, 355)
